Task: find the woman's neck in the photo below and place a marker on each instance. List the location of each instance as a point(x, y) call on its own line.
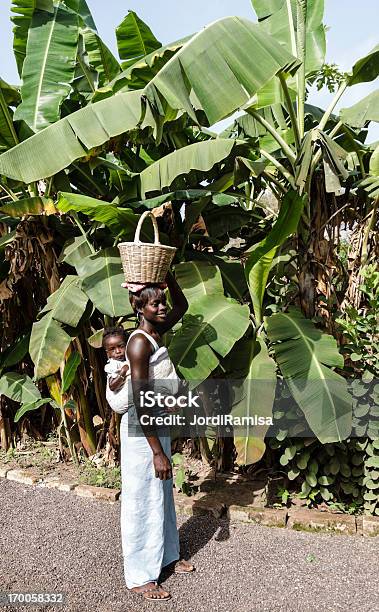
point(149, 328)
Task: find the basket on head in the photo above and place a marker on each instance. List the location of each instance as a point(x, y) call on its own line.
point(145, 262)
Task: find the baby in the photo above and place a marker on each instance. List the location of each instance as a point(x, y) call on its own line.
point(117, 368)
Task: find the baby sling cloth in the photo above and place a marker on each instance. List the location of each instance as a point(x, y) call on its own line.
point(161, 371)
point(149, 534)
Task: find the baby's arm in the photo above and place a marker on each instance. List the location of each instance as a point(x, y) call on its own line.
point(117, 381)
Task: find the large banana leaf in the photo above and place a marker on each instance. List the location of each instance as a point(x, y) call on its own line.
point(99, 56)
point(189, 350)
point(223, 65)
point(363, 111)
point(23, 10)
point(58, 145)
point(199, 278)
point(19, 388)
point(135, 40)
point(48, 341)
point(30, 206)
point(49, 65)
point(210, 325)
point(232, 273)
point(68, 303)
point(48, 344)
point(140, 73)
point(119, 220)
point(279, 19)
point(233, 276)
point(201, 156)
point(30, 406)
point(226, 319)
point(74, 251)
point(257, 276)
point(257, 398)
point(259, 262)
point(365, 69)
point(101, 280)
point(305, 356)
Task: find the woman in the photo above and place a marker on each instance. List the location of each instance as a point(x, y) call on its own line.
point(150, 537)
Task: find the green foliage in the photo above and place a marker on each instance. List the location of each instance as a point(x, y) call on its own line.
point(201, 156)
point(96, 123)
point(101, 280)
point(19, 388)
point(109, 477)
point(363, 111)
point(305, 357)
point(135, 40)
point(255, 395)
point(366, 68)
point(183, 475)
point(49, 340)
point(9, 96)
point(344, 475)
point(69, 371)
point(259, 262)
point(210, 328)
point(329, 76)
point(49, 65)
point(277, 20)
point(361, 327)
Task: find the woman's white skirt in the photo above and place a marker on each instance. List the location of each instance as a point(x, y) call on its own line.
point(150, 538)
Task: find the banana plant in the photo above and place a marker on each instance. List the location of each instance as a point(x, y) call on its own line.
point(144, 142)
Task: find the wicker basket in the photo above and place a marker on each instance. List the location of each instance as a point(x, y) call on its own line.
point(144, 262)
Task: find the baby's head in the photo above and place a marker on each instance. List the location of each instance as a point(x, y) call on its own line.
point(114, 342)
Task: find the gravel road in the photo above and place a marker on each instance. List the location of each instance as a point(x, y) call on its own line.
point(52, 541)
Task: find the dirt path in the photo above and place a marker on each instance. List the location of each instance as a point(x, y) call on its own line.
point(52, 541)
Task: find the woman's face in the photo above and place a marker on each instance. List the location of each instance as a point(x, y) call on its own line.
point(155, 310)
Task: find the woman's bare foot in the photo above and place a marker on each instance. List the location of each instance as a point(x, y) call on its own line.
point(152, 590)
point(183, 567)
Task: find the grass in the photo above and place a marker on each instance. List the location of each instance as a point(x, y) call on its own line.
point(109, 477)
point(36, 454)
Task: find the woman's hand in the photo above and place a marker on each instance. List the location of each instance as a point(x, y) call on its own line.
point(162, 465)
point(179, 305)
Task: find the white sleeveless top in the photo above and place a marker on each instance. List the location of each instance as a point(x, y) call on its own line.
point(161, 371)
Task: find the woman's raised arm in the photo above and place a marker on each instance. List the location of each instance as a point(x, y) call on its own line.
point(179, 305)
